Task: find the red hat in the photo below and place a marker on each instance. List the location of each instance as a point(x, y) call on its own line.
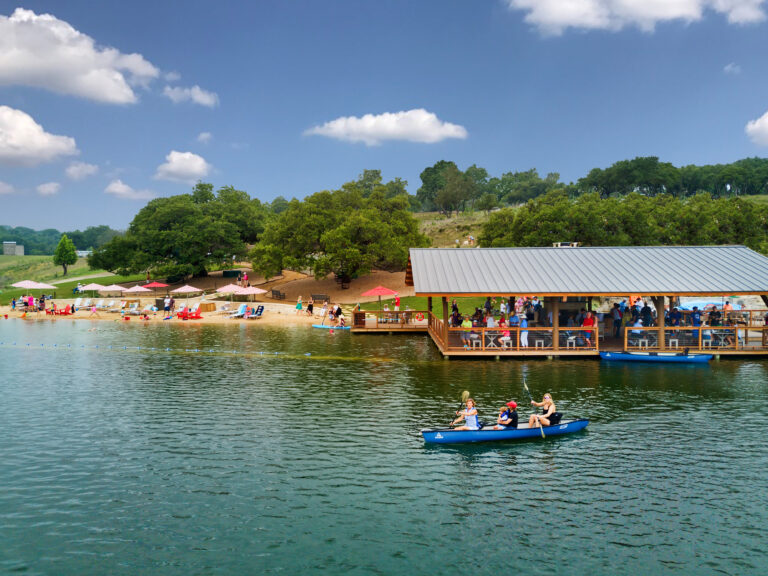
point(512, 404)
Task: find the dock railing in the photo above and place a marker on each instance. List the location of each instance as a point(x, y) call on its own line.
point(389, 320)
point(515, 340)
point(702, 338)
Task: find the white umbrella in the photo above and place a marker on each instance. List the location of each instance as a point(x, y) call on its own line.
point(112, 288)
point(136, 289)
point(26, 284)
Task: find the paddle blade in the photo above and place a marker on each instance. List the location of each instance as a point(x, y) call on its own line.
point(464, 396)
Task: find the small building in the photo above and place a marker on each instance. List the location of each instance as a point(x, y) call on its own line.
point(83, 253)
point(568, 280)
point(12, 249)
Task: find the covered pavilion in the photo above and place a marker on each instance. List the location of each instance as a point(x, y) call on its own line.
point(570, 278)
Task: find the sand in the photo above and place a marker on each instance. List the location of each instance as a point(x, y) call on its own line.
point(276, 312)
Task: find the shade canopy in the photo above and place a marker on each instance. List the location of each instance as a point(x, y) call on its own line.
point(44, 286)
point(136, 289)
point(186, 289)
point(112, 288)
point(250, 291)
point(379, 291)
point(156, 285)
point(229, 289)
point(92, 286)
point(26, 284)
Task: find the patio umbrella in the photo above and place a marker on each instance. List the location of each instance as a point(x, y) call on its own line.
point(44, 286)
point(379, 291)
point(137, 289)
point(26, 284)
point(229, 289)
point(93, 287)
point(186, 289)
point(112, 288)
point(155, 285)
point(250, 291)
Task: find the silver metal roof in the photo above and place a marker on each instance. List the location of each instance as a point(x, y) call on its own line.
point(616, 270)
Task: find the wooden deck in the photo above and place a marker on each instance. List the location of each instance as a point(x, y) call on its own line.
point(533, 342)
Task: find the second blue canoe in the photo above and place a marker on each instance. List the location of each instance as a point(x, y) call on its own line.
point(656, 357)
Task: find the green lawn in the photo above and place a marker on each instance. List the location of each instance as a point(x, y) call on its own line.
point(445, 230)
point(38, 268)
point(420, 303)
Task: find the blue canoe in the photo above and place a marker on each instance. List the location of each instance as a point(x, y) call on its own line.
point(331, 327)
point(656, 357)
point(450, 436)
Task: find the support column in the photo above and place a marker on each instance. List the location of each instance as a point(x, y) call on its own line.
point(556, 323)
point(658, 301)
point(445, 321)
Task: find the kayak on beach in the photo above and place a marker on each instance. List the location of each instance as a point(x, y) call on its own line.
point(331, 327)
point(488, 434)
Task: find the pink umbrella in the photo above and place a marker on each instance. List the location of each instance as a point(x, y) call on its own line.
point(186, 289)
point(44, 286)
point(250, 291)
point(26, 284)
point(136, 289)
point(112, 288)
point(229, 289)
point(92, 286)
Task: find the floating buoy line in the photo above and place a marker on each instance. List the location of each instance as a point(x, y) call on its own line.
point(190, 351)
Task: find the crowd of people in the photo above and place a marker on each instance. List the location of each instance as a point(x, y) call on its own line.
point(333, 312)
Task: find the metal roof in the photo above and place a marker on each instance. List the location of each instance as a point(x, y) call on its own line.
point(617, 270)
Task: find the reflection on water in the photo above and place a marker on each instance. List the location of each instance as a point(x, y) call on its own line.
point(239, 460)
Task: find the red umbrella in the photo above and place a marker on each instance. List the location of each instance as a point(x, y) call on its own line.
point(154, 285)
point(379, 291)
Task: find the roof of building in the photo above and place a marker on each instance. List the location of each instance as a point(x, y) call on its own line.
point(619, 270)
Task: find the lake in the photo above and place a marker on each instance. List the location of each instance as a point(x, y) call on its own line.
point(295, 451)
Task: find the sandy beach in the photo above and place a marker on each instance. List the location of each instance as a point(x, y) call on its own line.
point(276, 312)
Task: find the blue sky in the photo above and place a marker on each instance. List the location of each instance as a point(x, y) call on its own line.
point(106, 104)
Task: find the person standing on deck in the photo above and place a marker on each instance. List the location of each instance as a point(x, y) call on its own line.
point(588, 322)
point(616, 315)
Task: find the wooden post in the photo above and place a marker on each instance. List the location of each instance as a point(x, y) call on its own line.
point(659, 303)
point(555, 323)
point(445, 322)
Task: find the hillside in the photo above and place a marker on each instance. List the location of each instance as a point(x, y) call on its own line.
point(445, 230)
point(39, 268)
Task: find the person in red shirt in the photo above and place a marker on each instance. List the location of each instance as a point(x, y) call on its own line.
point(588, 322)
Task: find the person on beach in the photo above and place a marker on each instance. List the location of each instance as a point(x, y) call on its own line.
point(167, 305)
point(94, 311)
point(310, 307)
point(298, 306)
point(13, 305)
point(324, 310)
point(173, 305)
point(547, 410)
point(469, 415)
point(507, 416)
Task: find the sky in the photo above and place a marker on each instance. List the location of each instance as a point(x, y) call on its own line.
point(105, 105)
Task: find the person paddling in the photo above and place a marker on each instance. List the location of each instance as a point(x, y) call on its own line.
point(548, 410)
point(469, 415)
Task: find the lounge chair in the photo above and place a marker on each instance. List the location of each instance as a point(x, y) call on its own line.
point(107, 306)
point(66, 311)
point(240, 311)
point(190, 313)
point(99, 305)
point(257, 314)
point(86, 304)
point(146, 310)
point(119, 308)
point(76, 304)
point(133, 308)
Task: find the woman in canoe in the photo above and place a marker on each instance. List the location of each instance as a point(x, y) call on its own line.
point(547, 410)
point(469, 415)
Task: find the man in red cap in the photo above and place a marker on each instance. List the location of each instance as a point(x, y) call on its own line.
point(507, 416)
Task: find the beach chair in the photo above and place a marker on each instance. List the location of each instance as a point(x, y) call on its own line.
point(100, 304)
point(182, 313)
point(108, 305)
point(226, 309)
point(86, 304)
point(66, 311)
point(133, 309)
point(146, 310)
point(76, 304)
point(240, 311)
point(119, 308)
point(257, 313)
point(194, 313)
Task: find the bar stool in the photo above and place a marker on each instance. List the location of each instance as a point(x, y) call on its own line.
point(673, 343)
point(642, 343)
point(476, 343)
point(570, 342)
point(538, 344)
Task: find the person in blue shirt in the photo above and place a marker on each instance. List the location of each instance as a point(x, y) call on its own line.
point(469, 415)
point(674, 317)
point(696, 320)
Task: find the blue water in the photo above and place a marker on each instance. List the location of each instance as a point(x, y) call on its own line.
point(237, 460)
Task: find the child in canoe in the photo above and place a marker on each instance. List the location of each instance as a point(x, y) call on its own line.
point(507, 416)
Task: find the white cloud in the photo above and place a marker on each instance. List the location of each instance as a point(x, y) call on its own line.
point(204, 137)
point(183, 167)
point(42, 51)
point(6, 188)
point(81, 170)
point(413, 125)
point(172, 76)
point(555, 16)
point(757, 130)
point(121, 190)
point(732, 69)
point(195, 94)
point(23, 142)
point(49, 189)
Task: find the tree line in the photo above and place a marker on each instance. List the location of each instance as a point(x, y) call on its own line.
point(44, 242)
point(367, 223)
point(631, 220)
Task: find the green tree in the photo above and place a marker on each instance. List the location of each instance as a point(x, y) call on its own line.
point(487, 202)
point(65, 254)
point(432, 180)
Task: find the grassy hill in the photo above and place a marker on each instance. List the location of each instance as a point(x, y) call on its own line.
point(38, 268)
point(445, 230)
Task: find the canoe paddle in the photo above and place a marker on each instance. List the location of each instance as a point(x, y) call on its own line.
point(537, 416)
point(464, 396)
